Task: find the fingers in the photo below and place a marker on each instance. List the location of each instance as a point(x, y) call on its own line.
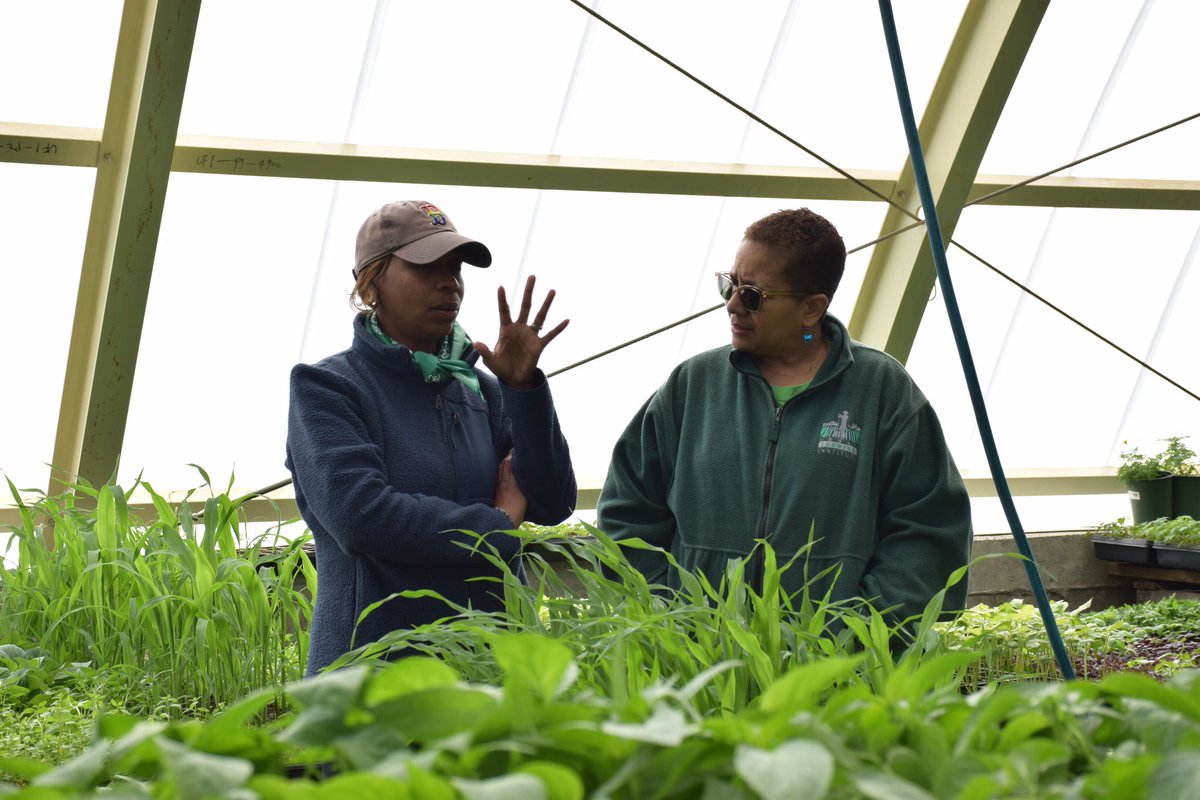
point(540, 318)
point(526, 300)
point(502, 303)
point(559, 328)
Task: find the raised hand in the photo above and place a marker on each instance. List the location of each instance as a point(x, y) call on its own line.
point(514, 358)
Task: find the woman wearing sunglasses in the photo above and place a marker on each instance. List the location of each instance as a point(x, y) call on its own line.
point(400, 444)
point(795, 429)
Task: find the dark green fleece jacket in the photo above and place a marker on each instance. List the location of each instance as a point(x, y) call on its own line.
point(710, 464)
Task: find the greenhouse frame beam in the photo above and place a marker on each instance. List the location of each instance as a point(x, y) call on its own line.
point(976, 78)
point(80, 147)
point(1040, 482)
point(133, 164)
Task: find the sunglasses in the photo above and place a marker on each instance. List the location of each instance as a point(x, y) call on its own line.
point(751, 296)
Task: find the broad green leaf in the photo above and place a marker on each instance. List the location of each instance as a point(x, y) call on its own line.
point(587, 742)
point(715, 789)
point(37, 793)
point(667, 727)
point(798, 768)
point(366, 746)
point(82, 772)
point(364, 786)
point(1120, 778)
point(516, 786)
point(531, 661)
point(275, 787)
point(199, 775)
point(408, 675)
point(881, 786)
point(1135, 684)
point(799, 689)
point(325, 700)
point(1177, 777)
point(434, 713)
point(1021, 727)
point(24, 768)
point(560, 782)
point(136, 745)
point(427, 786)
point(237, 716)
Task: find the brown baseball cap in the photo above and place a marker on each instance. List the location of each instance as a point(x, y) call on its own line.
point(416, 231)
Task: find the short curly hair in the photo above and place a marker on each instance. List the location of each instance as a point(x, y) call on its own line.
point(816, 252)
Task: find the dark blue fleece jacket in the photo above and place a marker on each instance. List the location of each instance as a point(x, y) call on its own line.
point(388, 469)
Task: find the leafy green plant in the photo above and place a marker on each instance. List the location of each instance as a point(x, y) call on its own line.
point(175, 607)
point(52, 731)
point(1117, 530)
point(540, 532)
point(416, 729)
point(1170, 616)
point(628, 634)
point(1174, 459)
point(26, 675)
point(1182, 531)
point(1013, 641)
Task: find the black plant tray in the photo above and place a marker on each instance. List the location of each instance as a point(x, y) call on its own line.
point(1130, 551)
point(1172, 557)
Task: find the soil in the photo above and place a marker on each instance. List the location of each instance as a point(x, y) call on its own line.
point(1144, 656)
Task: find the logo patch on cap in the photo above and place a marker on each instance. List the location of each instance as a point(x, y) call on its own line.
point(436, 217)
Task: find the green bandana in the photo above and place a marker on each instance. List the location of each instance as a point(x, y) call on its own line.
point(446, 364)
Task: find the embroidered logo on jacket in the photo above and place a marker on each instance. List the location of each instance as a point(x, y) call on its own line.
point(840, 436)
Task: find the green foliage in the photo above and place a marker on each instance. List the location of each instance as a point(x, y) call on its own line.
point(174, 608)
point(26, 675)
point(1174, 459)
point(815, 732)
point(1013, 639)
point(51, 731)
point(539, 532)
point(1181, 531)
point(630, 690)
point(628, 635)
point(1117, 530)
point(1169, 617)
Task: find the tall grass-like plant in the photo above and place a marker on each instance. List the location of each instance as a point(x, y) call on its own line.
point(170, 608)
point(729, 640)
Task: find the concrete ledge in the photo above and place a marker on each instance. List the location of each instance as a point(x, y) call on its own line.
point(1068, 568)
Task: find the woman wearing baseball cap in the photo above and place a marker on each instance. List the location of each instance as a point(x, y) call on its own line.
point(400, 444)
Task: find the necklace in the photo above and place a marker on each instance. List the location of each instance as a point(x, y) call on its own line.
point(815, 359)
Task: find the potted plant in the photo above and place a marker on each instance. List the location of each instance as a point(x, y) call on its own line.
point(1163, 485)
point(1116, 541)
point(1176, 542)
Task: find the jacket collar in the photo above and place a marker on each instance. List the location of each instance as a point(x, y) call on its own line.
point(394, 358)
point(840, 356)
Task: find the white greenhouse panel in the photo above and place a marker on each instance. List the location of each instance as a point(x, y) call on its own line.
point(42, 231)
point(57, 60)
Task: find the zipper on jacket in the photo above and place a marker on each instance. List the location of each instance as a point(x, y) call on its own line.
point(758, 565)
point(447, 438)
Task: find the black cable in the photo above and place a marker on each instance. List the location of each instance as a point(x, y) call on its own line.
point(1072, 319)
point(918, 222)
point(856, 181)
